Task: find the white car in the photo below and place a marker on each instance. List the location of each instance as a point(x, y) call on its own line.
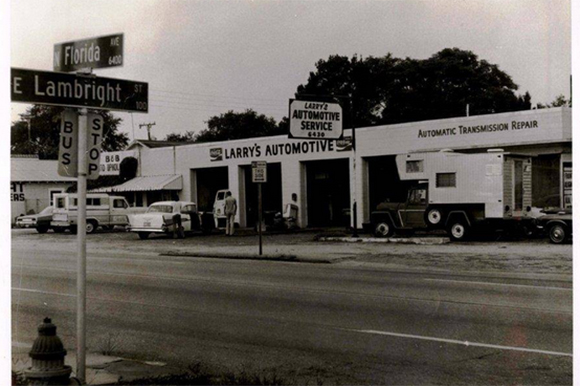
point(170, 218)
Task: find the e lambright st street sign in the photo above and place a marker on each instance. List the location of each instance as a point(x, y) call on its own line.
point(315, 120)
point(99, 52)
point(72, 90)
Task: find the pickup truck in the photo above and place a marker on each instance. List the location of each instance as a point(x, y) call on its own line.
point(102, 211)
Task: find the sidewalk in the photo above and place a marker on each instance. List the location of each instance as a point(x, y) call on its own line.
point(100, 369)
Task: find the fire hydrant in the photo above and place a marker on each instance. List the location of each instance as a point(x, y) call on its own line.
point(47, 355)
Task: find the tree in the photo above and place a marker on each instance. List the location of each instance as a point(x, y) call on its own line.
point(189, 136)
point(232, 125)
point(560, 101)
point(391, 90)
point(45, 132)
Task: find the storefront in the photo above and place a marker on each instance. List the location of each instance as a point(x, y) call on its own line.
point(33, 184)
point(325, 180)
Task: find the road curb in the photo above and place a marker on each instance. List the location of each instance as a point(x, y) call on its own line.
point(246, 256)
point(414, 241)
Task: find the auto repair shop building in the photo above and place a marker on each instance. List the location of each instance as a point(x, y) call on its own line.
point(319, 172)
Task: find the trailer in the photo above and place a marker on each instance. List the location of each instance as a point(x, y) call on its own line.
point(459, 192)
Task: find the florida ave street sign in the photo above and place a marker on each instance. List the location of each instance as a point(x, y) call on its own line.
point(315, 120)
point(57, 88)
point(99, 52)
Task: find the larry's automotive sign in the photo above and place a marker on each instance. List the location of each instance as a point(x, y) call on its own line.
point(315, 120)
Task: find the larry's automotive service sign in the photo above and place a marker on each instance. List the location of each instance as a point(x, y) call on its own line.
point(315, 120)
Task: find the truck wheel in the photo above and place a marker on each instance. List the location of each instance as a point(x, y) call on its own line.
point(458, 231)
point(143, 235)
point(383, 229)
point(558, 233)
point(434, 216)
point(91, 227)
point(42, 229)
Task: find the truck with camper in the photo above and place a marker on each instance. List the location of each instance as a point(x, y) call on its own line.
point(459, 193)
point(102, 211)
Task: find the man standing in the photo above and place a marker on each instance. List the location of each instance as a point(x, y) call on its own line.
point(230, 208)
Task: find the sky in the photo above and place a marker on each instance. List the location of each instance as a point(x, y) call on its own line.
point(204, 58)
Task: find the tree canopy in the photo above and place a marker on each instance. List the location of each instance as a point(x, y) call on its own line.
point(45, 132)
point(390, 90)
point(233, 125)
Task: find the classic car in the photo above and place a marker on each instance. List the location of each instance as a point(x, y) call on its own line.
point(557, 225)
point(172, 218)
point(40, 221)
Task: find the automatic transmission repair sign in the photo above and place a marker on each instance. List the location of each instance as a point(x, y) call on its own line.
point(315, 120)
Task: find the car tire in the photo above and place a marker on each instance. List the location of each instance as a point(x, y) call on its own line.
point(558, 234)
point(433, 217)
point(91, 227)
point(458, 230)
point(42, 229)
point(143, 235)
point(383, 229)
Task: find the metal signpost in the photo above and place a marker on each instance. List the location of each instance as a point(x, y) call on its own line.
point(81, 132)
point(259, 176)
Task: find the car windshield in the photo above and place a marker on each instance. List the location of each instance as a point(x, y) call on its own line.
point(47, 210)
point(160, 209)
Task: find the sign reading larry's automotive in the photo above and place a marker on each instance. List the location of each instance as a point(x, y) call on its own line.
point(315, 120)
point(57, 88)
point(99, 52)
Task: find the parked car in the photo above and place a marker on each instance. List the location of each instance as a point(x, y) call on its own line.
point(172, 218)
point(557, 225)
point(40, 221)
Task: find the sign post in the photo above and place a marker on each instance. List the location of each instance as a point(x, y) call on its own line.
point(259, 176)
point(81, 132)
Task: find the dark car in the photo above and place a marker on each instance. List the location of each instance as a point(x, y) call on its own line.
point(40, 221)
point(557, 225)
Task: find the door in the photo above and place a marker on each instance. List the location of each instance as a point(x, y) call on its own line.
point(518, 185)
point(118, 214)
point(415, 208)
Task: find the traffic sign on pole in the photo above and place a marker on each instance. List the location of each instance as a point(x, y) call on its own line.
point(68, 144)
point(95, 139)
point(98, 52)
point(259, 172)
point(72, 90)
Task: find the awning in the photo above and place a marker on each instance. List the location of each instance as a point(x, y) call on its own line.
point(144, 184)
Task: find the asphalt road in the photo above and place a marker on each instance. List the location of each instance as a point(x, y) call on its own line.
point(330, 323)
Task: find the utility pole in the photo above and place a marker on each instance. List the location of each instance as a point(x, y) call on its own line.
point(148, 126)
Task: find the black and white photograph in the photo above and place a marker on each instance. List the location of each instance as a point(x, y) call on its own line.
point(300, 192)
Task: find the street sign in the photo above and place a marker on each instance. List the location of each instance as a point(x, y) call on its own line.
point(68, 144)
point(71, 90)
point(315, 120)
point(98, 52)
point(95, 139)
point(259, 172)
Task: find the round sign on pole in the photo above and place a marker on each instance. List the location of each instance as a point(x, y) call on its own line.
point(315, 120)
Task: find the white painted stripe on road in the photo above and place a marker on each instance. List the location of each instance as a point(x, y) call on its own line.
point(500, 284)
point(463, 343)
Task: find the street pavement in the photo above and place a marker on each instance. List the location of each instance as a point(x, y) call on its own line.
point(356, 313)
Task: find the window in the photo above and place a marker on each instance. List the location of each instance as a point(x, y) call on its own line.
point(160, 209)
point(93, 202)
point(415, 166)
point(418, 196)
point(51, 193)
point(188, 209)
point(118, 203)
point(60, 202)
point(445, 180)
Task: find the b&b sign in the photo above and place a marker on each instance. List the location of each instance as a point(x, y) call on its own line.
point(69, 142)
